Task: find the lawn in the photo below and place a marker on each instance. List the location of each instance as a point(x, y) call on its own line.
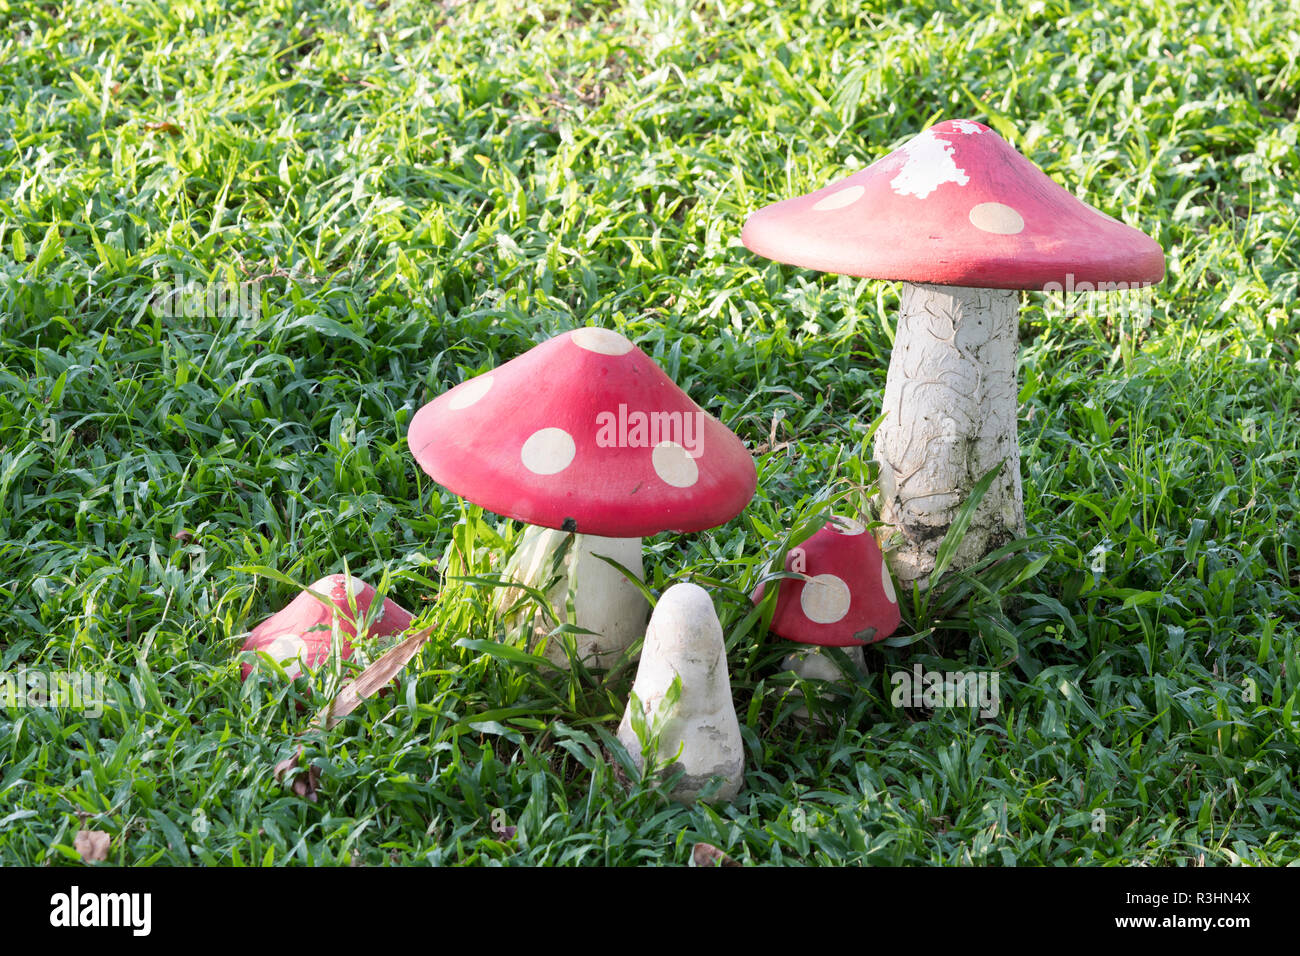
point(400, 195)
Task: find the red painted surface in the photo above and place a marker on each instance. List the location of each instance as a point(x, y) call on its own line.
point(308, 619)
point(917, 214)
point(592, 470)
point(856, 561)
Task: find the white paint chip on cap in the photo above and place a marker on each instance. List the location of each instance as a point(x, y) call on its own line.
point(286, 651)
point(928, 164)
point(838, 200)
point(602, 341)
point(467, 393)
point(548, 451)
point(996, 218)
point(825, 599)
point(674, 464)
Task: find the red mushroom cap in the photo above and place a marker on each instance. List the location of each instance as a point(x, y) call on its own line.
point(956, 205)
point(848, 589)
point(300, 633)
point(585, 433)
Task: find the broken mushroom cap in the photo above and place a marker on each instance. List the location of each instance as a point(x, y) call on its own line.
point(300, 634)
point(585, 433)
point(956, 205)
point(845, 590)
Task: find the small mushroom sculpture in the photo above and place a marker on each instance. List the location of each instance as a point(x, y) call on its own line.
point(964, 220)
point(844, 597)
point(300, 634)
point(699, 728)
point(585, 435)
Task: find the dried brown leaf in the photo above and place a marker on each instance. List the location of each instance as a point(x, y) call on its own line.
point(374, 677)
point(706, 854)
point(303, 781)
point(92, 845)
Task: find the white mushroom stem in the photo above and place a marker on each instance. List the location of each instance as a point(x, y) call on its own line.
point(813, 663)
point(950, 417)
point(604, 601)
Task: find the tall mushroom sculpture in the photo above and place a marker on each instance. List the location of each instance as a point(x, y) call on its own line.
point(585, 435)
point(964, 220)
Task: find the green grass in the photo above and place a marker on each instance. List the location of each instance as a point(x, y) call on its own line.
point(425, 190)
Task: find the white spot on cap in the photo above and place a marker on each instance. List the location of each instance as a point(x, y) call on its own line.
point(603, 341)
point(825, 599)
point(848, 527)
point(548, 451)
point(839, 200)
point(929, 164)
point(467, 393)
point(996, 218)
point(966, 126)
point(287, 651)
point(674, 464)
point(887, 582)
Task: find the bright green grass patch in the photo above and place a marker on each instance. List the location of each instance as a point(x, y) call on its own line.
point(414, 192)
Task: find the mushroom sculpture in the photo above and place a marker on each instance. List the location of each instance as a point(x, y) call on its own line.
point(844, 597)
point(698, 729)
point(585, 435)
point(301, 633)
point(964, 220)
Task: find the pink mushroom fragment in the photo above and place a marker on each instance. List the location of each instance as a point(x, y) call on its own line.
point(300, 634)
point(960, 216)
point(585, 434)
point(845, 596)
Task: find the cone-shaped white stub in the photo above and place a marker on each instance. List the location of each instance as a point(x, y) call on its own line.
point(684, 641)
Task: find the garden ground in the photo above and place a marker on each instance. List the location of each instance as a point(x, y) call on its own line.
point(392, 197)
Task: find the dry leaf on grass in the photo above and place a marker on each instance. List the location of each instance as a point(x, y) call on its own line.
point(706, 854)
point(92, 845)
point(371, 679)
point(302, 781)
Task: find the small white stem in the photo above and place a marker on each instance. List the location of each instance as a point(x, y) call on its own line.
point(813, 663)
point(604, 601)
point(950, 417)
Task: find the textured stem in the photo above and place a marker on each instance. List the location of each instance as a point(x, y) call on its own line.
point(604, 601)
point(950, 417)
